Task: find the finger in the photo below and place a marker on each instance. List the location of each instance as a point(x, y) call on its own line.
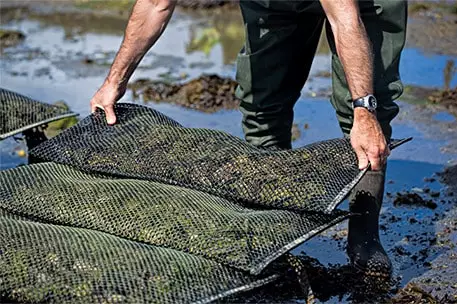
point(363, 159)
point(93, 106)
point(110, 116)
point(375, 161)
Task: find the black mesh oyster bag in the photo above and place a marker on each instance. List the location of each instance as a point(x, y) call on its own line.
point(19, 113)
point(146, 144)
point(159, 214)
point(45, 263)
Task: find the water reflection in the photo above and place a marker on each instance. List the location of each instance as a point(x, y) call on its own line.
point(225, 29)
point(449, 72)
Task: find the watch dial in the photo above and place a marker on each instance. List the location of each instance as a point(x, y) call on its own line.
point(372, 102)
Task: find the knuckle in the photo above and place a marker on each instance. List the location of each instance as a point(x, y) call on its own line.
point(373, 153)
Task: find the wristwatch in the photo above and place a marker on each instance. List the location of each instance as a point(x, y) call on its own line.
point(368, 102)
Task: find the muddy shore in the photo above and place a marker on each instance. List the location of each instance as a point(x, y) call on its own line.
point(432, 30)
point(439, 283)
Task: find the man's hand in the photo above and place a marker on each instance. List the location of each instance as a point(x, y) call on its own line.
point(368, 140)
point(105, 98)
point(146, 23)
point(355, 53)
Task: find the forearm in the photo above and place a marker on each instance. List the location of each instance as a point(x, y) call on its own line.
point(147, 22)
point(352, 45)
point(355, 53)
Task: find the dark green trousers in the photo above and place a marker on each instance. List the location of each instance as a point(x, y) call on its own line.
point(281, 41)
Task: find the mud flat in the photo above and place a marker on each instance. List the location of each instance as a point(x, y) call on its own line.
point(433, 26)
point(439, 283)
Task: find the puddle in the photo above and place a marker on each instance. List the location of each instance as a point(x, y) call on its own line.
point(444, 116)
point(69, 62)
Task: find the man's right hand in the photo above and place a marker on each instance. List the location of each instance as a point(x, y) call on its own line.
point(105, 98)
point(146, 23)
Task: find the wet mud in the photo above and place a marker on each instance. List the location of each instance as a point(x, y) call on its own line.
point(439, 283)
point(207, 93)
point(433, 26)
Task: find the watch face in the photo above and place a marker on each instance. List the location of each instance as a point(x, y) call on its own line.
point(372, 102)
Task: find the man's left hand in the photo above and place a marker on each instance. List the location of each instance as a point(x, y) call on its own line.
point(368, 140)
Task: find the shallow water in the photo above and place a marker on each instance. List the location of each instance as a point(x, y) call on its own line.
point(49, 66)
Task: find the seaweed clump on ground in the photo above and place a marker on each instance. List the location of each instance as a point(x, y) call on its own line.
point(413, 199)
point(344, 280)
point(208, 93)
point(308, 280)
point(9, 38)
point(446, 98)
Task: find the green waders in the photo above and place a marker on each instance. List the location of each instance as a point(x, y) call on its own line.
point(281, 40)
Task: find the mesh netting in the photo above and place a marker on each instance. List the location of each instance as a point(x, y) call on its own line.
point(145, 144)
point(48, 263)
point(19, 113)
point(159, 214)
